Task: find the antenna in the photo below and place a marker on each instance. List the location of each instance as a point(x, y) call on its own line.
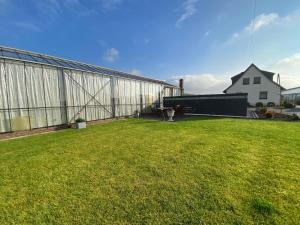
point(280, 95)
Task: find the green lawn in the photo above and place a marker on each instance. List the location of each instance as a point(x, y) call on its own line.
point(197, 171)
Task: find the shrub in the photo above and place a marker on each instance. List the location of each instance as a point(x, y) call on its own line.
point(297, 102)
point(268, 115)
point(263, 110)
point(288, 105)
point(80, 120)
point(259, 104)
point(270, 104)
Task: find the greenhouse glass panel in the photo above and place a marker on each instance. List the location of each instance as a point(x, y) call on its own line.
point(48, 61)
point(41, 60)
point(10, 54)
point(65, 64)
point(90, 85)
point(54, 116)
point(53, 82)
point(26, 57)
point(35, 86)
point(79, 91)
point(4, 121)
point(38, 118)
point(16, 84)
point(3, 89)
point(19, 120)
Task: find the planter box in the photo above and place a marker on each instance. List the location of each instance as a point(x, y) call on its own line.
point(81, 125)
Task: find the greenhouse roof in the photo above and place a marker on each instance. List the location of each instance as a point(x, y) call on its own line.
point(26, 56)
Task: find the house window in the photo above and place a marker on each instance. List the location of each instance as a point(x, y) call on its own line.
point(246, 81)
point(263, 95)
point(257, 80)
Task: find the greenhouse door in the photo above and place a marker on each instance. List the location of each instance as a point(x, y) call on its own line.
point(88, 96)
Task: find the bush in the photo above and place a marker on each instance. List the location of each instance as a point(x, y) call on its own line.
point(270, 104)
point(268, 115)
point(259, 104)
point(297, 102)
point(263, 110)
point(288, 105)
point(80, 120)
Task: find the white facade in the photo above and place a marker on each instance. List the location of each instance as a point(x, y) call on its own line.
point(264, 91)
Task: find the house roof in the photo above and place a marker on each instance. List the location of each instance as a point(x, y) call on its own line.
point(21, 55)
point(267, 74)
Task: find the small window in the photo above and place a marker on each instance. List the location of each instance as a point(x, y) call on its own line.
point(257, 80)
point(263, 95)
point(246, 81)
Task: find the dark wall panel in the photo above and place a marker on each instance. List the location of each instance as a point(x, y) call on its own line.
point(228, 104)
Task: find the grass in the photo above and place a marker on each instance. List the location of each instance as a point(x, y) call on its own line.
point(197, 171)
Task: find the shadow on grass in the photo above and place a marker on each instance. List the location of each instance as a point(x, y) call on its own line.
point(263, 207)
point(199, 118)
point(178, 118)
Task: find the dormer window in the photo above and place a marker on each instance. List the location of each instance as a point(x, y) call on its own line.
point(257, 80)
point(246, 81)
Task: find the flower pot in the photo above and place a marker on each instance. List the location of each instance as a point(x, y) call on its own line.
point(171, 113)
point(136, 114)
point(81, 125)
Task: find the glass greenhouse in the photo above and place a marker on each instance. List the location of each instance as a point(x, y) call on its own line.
point(292, 95)
point(38, 91)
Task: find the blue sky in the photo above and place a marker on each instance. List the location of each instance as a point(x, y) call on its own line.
point(204, 41)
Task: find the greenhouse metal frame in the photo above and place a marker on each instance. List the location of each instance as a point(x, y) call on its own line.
point(38, 91)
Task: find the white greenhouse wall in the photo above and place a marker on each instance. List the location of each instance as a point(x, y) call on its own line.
point(35, 96)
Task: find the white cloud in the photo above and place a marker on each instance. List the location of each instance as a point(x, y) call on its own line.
point(53, 8)
point(190, 10)
point(111, 4)
point(136, 72)
point(261, 21)
point(202, 83)
point(289, 70)
point(111, 55)
point(77, 7)
point(26, 26)
point(255, 25)
point(207, 33)
point(49, 7)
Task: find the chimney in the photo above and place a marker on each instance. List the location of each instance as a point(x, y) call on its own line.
point(181, 87)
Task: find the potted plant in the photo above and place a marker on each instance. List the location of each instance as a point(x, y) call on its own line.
point(136, 114)
point(171, 113)
point(80, 123)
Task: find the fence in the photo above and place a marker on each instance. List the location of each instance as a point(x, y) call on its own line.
point(226, 105)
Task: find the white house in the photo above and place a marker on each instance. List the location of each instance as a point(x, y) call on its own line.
point(258, 84)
